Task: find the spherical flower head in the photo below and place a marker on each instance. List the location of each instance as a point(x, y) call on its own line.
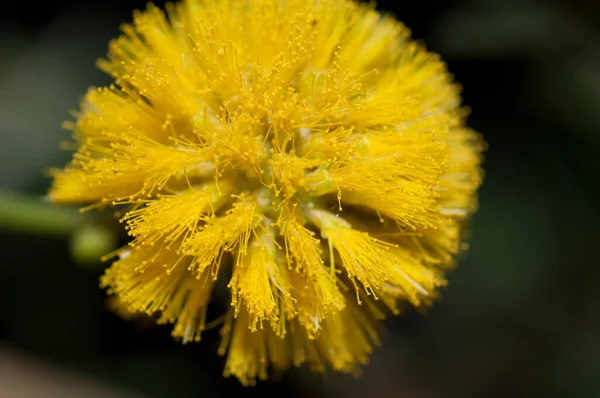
point(307, 153)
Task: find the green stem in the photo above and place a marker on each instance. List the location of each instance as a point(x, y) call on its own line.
point(30, 215)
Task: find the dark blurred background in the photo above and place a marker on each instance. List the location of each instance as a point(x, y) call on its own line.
point(520, 316)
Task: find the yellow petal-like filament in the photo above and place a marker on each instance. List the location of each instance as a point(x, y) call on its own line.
point(187, 308)
point(110, 111)
point(363, 257)
point(315, 288)
point(140, 281)
point(302, 248)
point(175, 217)
point(411, 281)
point(344, 344)
point(136, 166)
point(255, 282)
point(316, 299)
point(347, 340)
point(222, 234)
point(340, 143)
point(396, 176)
point(462, 178)
point(247, 351)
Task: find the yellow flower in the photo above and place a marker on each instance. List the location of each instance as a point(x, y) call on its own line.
point(307, 152)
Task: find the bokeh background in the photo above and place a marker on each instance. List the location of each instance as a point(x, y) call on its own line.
point(520, 316)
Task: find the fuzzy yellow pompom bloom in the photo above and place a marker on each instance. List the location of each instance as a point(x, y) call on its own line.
point(307, 152)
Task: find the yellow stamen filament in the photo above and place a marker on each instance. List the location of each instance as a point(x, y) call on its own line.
point(255, 282)
point(141, 282)
point(362, 256)
point(222, 234)
point(175, 217)
point(316, 292)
